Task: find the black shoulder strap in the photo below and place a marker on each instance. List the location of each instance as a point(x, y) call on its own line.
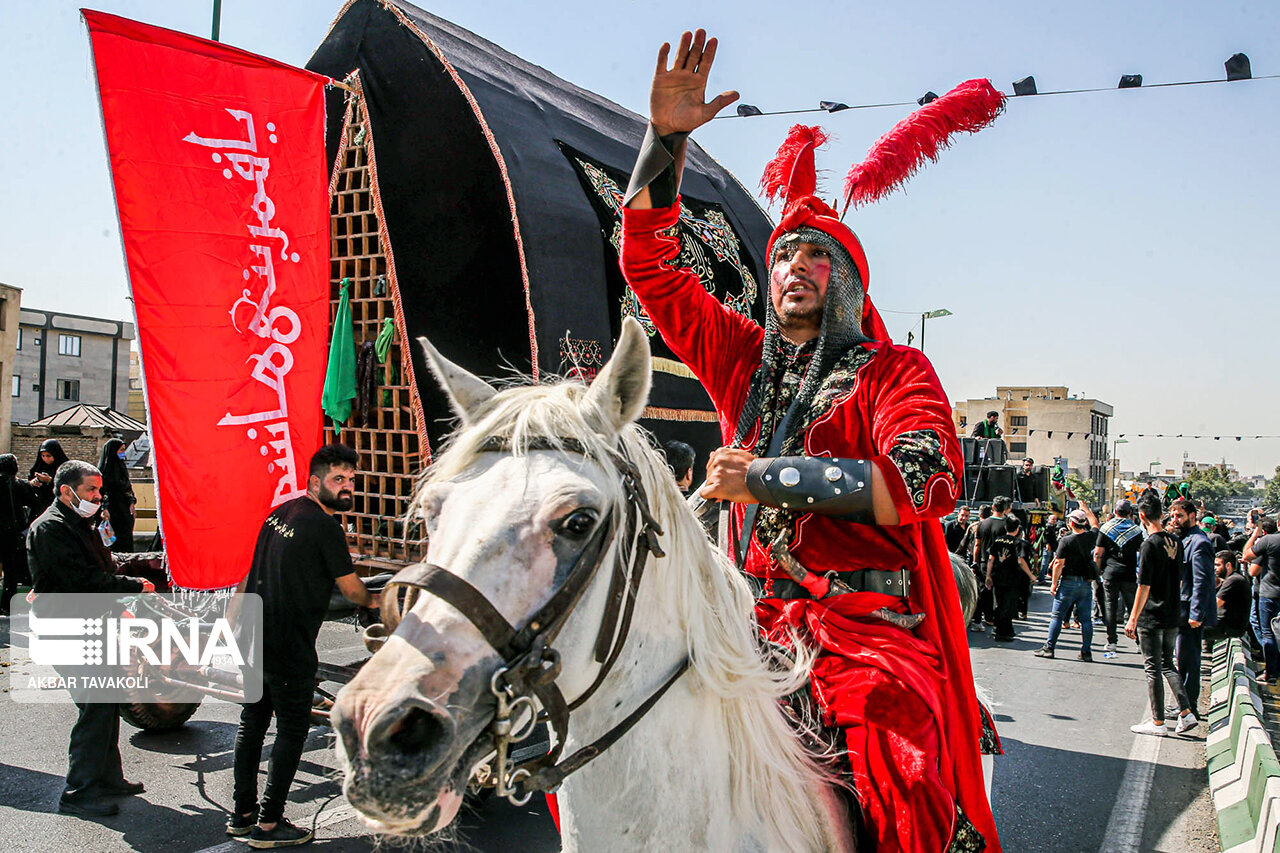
point(743, 542)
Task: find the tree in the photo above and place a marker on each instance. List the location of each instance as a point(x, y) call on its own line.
point(1271, 496)
point(1214, 484)
point(1082, 489)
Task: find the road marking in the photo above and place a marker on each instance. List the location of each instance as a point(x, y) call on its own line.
point(1129, 817)
point(338, 814)
point(225, 847)
point(331, 816)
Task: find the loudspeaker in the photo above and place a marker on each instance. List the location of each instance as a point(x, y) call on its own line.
point(969, 447)
point(997, 481)
point(992, 451)
point(971, 484)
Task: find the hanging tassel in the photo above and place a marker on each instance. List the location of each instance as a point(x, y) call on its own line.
point(791, 174)
point(898, 154)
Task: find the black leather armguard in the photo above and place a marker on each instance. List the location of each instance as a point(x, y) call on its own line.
point(658, 167)
point(840, 488)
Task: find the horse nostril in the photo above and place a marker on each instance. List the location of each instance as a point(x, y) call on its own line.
point(416, 732)
point(411, 739)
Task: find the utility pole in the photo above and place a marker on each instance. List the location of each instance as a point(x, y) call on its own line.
point(217, 19)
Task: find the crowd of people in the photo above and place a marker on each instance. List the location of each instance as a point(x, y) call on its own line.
point(1170, 576)
point(23, 500)
point(55, 520)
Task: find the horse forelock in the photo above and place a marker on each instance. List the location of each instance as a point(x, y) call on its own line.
point(694, 580)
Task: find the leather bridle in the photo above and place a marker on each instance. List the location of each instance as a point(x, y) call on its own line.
point(530, 664)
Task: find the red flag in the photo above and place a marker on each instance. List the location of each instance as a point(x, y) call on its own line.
point(218, 163)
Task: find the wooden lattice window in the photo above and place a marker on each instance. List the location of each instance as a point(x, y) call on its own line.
point(391, 455)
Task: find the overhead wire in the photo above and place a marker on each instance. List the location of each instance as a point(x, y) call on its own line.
point(839, 108)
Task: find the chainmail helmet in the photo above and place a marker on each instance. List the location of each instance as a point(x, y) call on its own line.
point(848, 318)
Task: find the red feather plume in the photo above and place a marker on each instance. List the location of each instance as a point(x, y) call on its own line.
point(898, 154)
point(791, 174)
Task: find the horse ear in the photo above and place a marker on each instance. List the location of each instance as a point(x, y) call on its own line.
point(467, 392)
point(621, 390)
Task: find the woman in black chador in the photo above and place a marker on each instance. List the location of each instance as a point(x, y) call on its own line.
point(40, 477)
point(16, 496)
point(117, 494)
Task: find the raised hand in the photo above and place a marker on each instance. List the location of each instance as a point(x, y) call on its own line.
point(677, 100)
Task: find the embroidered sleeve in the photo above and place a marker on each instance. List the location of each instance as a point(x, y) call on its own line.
point(918, 457)
point(914, 435)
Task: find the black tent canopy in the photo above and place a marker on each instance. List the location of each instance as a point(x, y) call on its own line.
point(499, 186)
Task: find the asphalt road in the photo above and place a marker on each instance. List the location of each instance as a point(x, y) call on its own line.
point(1073, 779)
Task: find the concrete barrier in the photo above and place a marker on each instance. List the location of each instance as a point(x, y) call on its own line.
point(1244, 772)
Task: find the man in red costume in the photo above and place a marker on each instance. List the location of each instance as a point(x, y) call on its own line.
point(840, 458)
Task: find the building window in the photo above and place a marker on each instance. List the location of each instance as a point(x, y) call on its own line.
point(69, 345)
point(19, 347)
point(17, 386)
point(1017, 447)
point(69, 389)
point(1017, 420)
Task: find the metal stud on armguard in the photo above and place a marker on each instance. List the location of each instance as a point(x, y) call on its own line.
point(840, 488)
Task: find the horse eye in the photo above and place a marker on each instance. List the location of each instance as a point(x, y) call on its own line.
point(577, 524)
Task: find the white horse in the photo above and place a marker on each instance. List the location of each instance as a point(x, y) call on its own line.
point(712, 765)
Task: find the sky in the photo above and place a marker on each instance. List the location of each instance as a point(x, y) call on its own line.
point(1122, 243)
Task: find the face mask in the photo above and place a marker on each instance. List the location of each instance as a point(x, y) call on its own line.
point(83, 507)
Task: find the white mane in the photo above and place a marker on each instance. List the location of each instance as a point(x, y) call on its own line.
point(773, 779)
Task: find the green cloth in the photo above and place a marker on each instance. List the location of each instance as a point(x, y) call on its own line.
point(390, 375)
point(340, 376)
point(382, 344)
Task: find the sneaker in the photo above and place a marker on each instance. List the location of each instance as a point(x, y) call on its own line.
point(1075, 623)
point(283, 834)
point(1002, 638)
point(1110, 647)
point(1186, 723)
point(1044, 652)
point(86, 806)
point(977, 627)
point(1087, 657)
point(1149, 728)
point(239, 826)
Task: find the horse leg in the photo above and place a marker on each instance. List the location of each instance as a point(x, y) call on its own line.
point(844, 818)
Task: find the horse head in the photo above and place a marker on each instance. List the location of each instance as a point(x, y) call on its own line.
point(527, 489)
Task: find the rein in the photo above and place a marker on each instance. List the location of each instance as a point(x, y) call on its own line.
point(530, 664)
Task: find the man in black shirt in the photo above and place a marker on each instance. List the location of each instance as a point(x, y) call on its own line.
point(1263, 551)
point(1007, 575)
point(954, 529)
point(1235, 596)
point(988, 530)
point(301, 553)
point(66, 555)
point(988, 428)
point(1116, 555)
point(1072, 584)
point(1157, 616)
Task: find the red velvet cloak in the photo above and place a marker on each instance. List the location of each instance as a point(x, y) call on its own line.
point(905, 701)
